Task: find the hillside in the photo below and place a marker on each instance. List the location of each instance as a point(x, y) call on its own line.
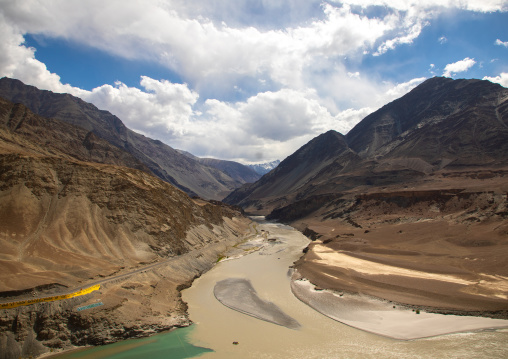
point(163, 161)
point(418, 188)
point(75, 209)
point(463, 124)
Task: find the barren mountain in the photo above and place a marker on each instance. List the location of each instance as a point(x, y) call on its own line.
point(162, 160)
point(241, 174)
point(418, 189)
point(71, 212)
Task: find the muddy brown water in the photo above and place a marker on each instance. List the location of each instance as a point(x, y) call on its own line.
point(218, 327)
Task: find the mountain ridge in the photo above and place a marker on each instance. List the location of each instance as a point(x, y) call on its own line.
point(398, 145)
point(419, 186)
point(162, 160)
point(237, 171)
point(264, 168)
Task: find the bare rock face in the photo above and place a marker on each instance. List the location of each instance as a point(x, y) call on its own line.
point(439, 105)
point(75, 209)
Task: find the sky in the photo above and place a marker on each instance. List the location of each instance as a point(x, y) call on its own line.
point(248, 80)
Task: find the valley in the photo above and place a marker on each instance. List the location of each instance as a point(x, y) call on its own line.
point(409, 209)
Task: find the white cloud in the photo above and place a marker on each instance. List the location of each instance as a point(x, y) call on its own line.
point(501, 43)
point(459, 66)
point(203, 51)
point(411, 33)
point(405, 5)
point(345, 120)
point(287, 72)
point(501, 79)
point(18, 61)
point(442, 40)
point(162, 111)
point(401, 89)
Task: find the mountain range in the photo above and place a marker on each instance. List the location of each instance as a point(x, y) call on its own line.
point(418, 187)
point(187, 173)
point(264, 168)
point(441, 125)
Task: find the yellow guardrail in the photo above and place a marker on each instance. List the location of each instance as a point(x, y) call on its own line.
point(50, 299)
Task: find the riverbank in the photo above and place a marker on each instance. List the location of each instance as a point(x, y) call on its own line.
point(139, 305)
point(386, 318)
point(218, 327)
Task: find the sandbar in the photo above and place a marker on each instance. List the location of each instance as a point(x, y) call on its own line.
point(380, 317)
point(239, 294)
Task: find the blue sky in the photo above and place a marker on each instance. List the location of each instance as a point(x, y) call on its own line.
point(248, 80)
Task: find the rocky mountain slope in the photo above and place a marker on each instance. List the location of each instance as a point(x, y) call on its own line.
point(162, 160)
point(74, 209)
point(441, 125)
point(419, 186)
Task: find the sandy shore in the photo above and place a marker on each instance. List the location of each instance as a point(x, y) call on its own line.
point(240, 295)
point(380, 317)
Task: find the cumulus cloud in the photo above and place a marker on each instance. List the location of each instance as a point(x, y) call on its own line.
point(459, 66)
point(501, 43)
point(411, 33)
point(18, 61)
point(442, 40)
point(162, 111)
point(286, 73)
point(203, 50)
point(502, 79)
point(400, 90)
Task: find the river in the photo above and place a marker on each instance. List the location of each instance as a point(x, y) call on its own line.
point(217, 327)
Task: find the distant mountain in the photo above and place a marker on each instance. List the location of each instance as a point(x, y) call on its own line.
point(162, 160)
point(240, 173)
point(442, 124)
point(264, 168)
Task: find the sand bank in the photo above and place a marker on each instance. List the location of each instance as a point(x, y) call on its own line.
point(380, 317)
point(240, 295)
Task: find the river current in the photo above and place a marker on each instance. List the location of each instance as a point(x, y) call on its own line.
point(220, 332)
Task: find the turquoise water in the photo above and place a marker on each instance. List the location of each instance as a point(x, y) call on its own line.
point(173, 345)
